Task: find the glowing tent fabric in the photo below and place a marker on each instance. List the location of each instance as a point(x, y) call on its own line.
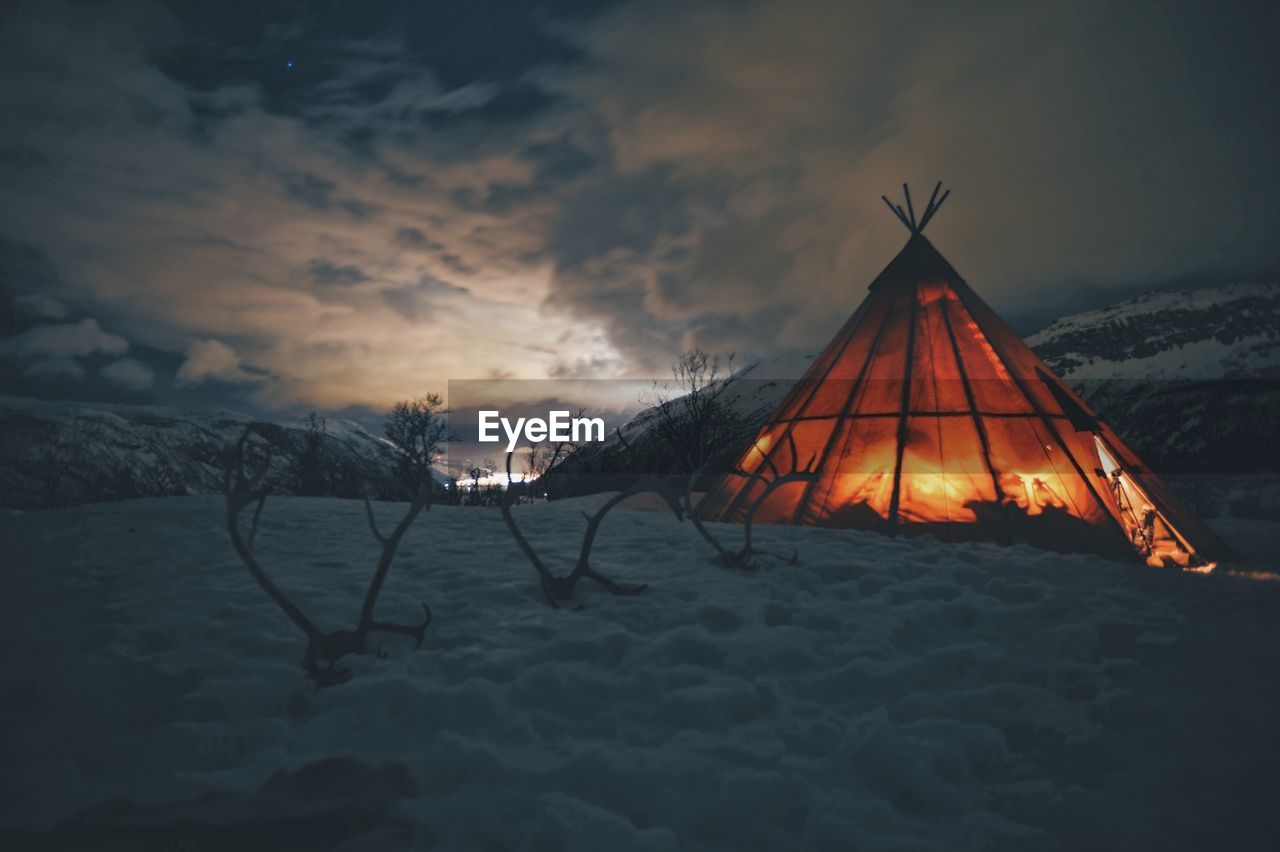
point(927, 414)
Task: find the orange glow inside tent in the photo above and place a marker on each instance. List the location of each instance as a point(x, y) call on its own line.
point(928, 414)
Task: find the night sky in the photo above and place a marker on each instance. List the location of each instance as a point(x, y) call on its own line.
point(281, 205)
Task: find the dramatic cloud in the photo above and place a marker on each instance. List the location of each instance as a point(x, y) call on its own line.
point(40, 306)
point(55, 367)
point(232, 221)
point(752, 142)
point(212, 359)
point(128, 374)
point(65, 340)
point(583, 195)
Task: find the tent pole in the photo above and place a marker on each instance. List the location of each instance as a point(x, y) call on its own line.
point(847, 336)
point(1044, 418)
point(937, 187)
point(843, 412)
point(897, 212)
point(978, 424)
point(895, 501)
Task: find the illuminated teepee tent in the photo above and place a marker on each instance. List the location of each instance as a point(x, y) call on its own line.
point(927, 414)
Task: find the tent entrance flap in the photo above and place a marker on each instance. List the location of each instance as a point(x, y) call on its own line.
point(1148, 530)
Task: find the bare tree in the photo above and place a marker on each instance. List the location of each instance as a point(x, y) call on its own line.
point(560, 588)
point(477, 495)
point(159, 478)
point(691, 413)
point(545, 456)
point(311, 476)
point(417, 428)
point(698, 423)
point(244, 488)
point(692, 417)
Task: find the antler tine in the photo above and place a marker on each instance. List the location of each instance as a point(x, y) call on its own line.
point(232, 463)
point(324, 648)
point(373, 525)
point(773, 468)
point(417, 631)
point(657, 485)
point(907, 192)
point(233, 473)
point(544, 573)
point(791, 445)
point(242, 482)
point(257, 514)
point(241, 490)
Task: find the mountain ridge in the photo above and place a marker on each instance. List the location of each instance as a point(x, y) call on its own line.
point(61, 453)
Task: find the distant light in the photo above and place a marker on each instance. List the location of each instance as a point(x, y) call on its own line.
point(288, 63)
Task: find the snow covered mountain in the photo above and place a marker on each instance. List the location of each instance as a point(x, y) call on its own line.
point(61, 453)
point(1229, 331)
point(1190, 378)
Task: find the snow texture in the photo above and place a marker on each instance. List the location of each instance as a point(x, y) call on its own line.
point(880, 694)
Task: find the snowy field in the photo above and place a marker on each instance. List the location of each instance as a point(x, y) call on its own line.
point(880, 695)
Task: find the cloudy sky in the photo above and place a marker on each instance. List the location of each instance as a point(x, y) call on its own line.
point(284, 204)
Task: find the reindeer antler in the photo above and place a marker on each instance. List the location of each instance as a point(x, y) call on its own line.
point(557, 588)
point(242, 490)
point(808, 473)
point(324, 649)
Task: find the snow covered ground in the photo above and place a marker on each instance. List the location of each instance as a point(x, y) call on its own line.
point(879, 695)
